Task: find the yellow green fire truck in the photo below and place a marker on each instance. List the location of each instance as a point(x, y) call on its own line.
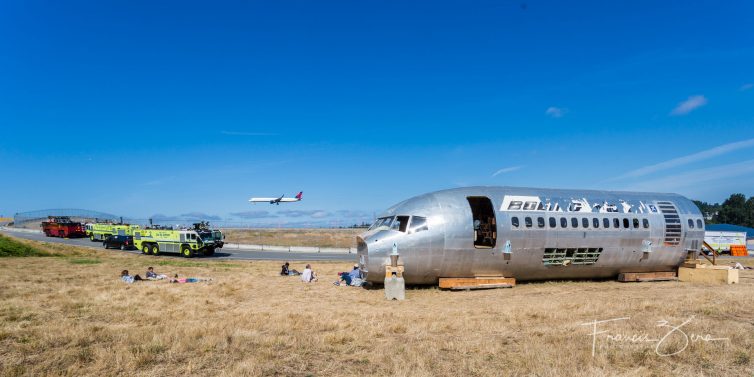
point(100, 231)
point(187, 242)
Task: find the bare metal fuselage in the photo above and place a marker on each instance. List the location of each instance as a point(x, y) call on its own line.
point(533, 234)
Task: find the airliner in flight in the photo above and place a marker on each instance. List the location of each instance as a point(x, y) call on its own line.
point(278, 200)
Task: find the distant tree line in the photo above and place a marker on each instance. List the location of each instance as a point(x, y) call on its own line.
point(736, 210)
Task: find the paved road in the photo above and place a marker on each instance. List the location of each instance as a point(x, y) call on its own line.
point(221, 254)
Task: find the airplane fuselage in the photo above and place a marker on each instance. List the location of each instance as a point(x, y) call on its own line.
point(532, 234)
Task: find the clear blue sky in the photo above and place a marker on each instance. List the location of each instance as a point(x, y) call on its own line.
point(146, 107)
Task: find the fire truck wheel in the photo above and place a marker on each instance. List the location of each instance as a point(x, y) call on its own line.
point(155, 249)
point(186, 251)
point(145, 249)
point(91, 237)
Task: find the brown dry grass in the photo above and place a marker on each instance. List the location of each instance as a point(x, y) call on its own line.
point(70, 315)
point(294, 237)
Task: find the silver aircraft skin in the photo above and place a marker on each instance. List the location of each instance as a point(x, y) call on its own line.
point(531, 234)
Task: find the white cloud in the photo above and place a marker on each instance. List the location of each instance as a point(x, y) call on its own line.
point(746, 87)
point(689, 105)
point(699, 156)
point(506, 170)
point(697, 178)
point(556, 112)
point(253, 214)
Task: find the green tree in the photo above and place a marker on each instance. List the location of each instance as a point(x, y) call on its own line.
point(750, 211)
point(734, 211)
point(709, 211)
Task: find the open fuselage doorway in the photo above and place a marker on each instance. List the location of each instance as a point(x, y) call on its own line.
point(484, 221)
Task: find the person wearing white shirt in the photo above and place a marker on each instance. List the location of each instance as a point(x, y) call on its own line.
point(308, 276)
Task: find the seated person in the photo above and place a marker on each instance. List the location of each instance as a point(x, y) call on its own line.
point(128, 278)
point(151, 275)
point(355, 276)
point(350, 278)
point(286, 271)
point(308, 276)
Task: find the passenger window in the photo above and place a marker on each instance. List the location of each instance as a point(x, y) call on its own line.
point(574, 222)
point(616, 223)
point(699, 224)
point(541, 222)
point(528, 222)
point(691, 224)
point(625, 223)
point(484, 221)
point(514, 206)
point(563, 222)
point(646, 223)
point(418, 224)
point(636, 223)
point(596, 223)
point(585, 223)
point(606, 222)
point(553, 223)
point(514, 221)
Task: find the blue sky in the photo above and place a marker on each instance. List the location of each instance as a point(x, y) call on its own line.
point(140, 108)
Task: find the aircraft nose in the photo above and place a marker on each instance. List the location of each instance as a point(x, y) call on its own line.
point(373, 250)
point(362, 251)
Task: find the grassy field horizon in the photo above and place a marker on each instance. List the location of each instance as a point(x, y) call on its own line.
point(68, 313)
point(315, 237)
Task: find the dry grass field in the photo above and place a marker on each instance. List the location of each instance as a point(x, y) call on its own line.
point(69, 314)
point(294, 237)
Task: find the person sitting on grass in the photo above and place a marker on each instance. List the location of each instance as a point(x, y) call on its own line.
point(308, 276)
point(286, 271)
point(355, 276)
point(151, 275)
point(128, 278)
point(352, 278)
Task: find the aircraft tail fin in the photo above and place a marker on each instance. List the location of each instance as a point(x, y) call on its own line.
point(300, 195)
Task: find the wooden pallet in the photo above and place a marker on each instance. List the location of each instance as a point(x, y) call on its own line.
point(647, 276)
point(487, 282)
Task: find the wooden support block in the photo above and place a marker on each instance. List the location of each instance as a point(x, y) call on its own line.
point(481, 282)
point(482, 286)
point(390, 269)
point(708, 275)
point(647, 276)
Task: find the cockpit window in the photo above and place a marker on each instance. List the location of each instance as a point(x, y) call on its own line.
point(382, 221)
point(418, 223)
point(400, 223)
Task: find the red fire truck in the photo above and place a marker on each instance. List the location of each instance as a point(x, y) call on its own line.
point(62, 226)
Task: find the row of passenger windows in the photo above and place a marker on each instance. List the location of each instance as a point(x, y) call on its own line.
point(585, 222)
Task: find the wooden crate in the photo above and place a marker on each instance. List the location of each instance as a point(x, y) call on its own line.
point(739, 251)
